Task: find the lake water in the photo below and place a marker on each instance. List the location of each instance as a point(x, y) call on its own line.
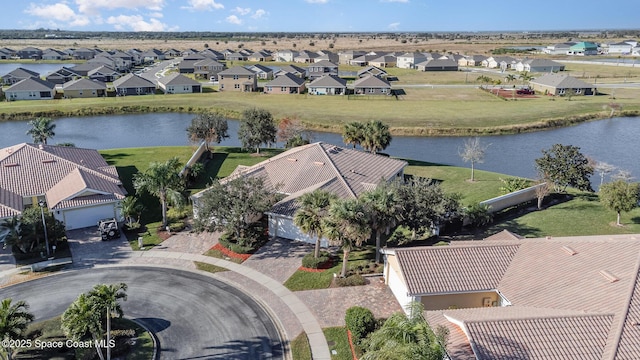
point(612, 140)
point(40, 68)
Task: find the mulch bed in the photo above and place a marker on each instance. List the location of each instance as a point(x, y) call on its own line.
point(324, 266)
point(230, 253)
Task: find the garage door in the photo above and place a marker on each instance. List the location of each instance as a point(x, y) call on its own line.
point(288, 230)
point(87, 216)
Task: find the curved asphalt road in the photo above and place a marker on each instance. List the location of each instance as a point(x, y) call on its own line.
point(193, 316)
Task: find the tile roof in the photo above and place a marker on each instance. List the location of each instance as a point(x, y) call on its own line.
point(328, 81)
point(287, 79)
point(57, 172)
point(371, 81)
point(504, 235)
point(561, 81)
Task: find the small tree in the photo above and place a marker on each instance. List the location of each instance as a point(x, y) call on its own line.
point(565, 165)
point(208, 127)
point(346, 226)
point(257, 127)
point(313, 208)
point(542, 190)
point(360, 321)
point(42, 128)
point(473, 151)
point(376, 136)
point(603, 169)
point(353, 133)
point(384, 211)
point(292, 132)
point(131, 210)
point(163, 181)
point(14, 320)
point(620, 196)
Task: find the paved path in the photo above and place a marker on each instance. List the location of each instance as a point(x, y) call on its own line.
point(279, 258)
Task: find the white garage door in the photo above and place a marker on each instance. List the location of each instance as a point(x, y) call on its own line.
point(87, 216)
point(285, 228)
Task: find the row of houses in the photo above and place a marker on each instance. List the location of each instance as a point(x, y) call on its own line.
point(586, 48)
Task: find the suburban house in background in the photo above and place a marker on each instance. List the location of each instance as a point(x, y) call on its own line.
point(76, 184)
point(132, 84)
point(261, 71)
point(284, 55)
point(285, 84)
point(62, 76)
point(384, 61)
point(561, 85)
point(539, 65)
point(292, 69)
point(238, 78)
point(583, 48)
point(84, 88)
point(622, 47)
point(207, 68)
point(372, 70)
point(31, 89)
point(328, 85)
point(179, 84)
point(321, 68)
point(409, 60)
point(559, 49)
point(371, 85)
point(441, 64)
point(582, 302)
point(18, 75)
point(344, 172)
point(103, 73)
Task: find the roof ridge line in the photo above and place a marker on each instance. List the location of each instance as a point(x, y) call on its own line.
point(340, 176)
point(525, 318)
point(77, 165)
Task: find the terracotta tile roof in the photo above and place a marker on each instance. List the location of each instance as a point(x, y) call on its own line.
point(504, 235)
point(55, 171)
point(454, 269)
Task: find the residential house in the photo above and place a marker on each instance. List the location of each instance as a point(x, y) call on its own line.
point(84, 88)
point(538, 66)
point(52, 54)
point(345, 57)
point(292, 69)
point(122, 60)
point(559, 49)
point(152, 55)
point(362, 60)
point(103, 74)
point(7, 53)
point(284, 55)
point(189, 52)
point(622, 47)
point(172, 53)
point(62, 76)
point(409, 60)
point(561, 85)
point(263, 72)
point(132, 84)
point(77, 185)
point(501, 62)
point(18, 75)
point(383, 61)
point(238, 78)
point(583, 48)
point(136, 56)
point(445, 64)
point(285, 84)
point(32, 88)
point(472, 60)
point(327, 55)
point(328, 85)
point(306, 57)
point(83, 69)
point(207, 68)
point(551, 298)
point(30, 52)
point(371, 85)
point(83, 54)
point(317, 166)
point(187, 64)
point(179, 84)
point(372, 70)
point(260, 56)
point(103, 59)
point(321, 68)
point(212, 54)
point(236, 56)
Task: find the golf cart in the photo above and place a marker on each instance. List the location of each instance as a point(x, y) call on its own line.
point(109, 229)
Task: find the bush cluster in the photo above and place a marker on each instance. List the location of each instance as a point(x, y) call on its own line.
point(311, 262)
point(361, 322)
point(351, 280)
point(229, 241)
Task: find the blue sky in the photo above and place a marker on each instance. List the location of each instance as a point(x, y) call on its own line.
point(318, 15)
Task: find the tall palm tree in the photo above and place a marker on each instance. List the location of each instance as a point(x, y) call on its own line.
point(163, 181)
point(106, 303)
point(376, 136)
point(509, 78)
point(81, 319)
point(384, 211)
point(313, 208)
point(130, 209)
point(525, 76)
point(14, 320)
point(353, 133)
point(346, 226)
point(41, 129)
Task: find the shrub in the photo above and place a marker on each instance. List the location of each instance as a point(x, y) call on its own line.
point(311, 262)
point(479, 215)
point(229, 241)
point(177, 225)
point(360, 321)
point(178, 212)
point(510, 185)
point(351, 280)
point(134, 226)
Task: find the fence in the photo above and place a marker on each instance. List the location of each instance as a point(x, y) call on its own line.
point(512, 199)
point(194, 158)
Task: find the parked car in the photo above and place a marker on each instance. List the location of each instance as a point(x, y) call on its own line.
point(108, 229)
point(525, 91)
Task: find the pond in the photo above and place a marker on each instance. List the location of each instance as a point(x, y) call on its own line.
point(41, 68)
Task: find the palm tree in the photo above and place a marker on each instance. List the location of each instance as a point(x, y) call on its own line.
point(81, 319)
point(106, 303)
point(130, 209)
point(313, 208)
point(376, 136)
point(383, 210)
point(14, 320)
point(509, 78)
point(163, 181)
point(41, 129)
point(525, 76)
point(346, 226)
point(353, 133)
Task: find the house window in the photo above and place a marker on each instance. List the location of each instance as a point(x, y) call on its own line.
point(578, 91)
point(372, 90)
point(235, 77)
point(236, 86)
point(561, 91)
point(283, 88)
point(221, 86)
point(269, 89)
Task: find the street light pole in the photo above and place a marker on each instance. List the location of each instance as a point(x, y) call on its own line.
point(44, 224)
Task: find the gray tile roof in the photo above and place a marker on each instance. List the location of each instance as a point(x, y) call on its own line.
point(133, 81)
point(561, 81)
point(287, 79)
point(328, 81)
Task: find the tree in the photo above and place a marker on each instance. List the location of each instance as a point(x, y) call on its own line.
point(106, 303)
point(543, 189)
point(346, 226)
point(26, 233)
point(208, 127)
point(509, 78)
point(313, 208)
point(384, 211)
point(473, 151)
point(603, 169)
point(230, 206)
point(257, 127)
point(620, 196)
point(565, 165)
point(405, 336)
point(41, 129)
point(525, 76)
point(353, 133)
point(163, 181)
point(131, 209)
point(14, 320)
point(376, 136)
point(292, 132)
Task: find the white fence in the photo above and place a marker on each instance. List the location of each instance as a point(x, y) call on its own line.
point(511, 199)
point(194, 158)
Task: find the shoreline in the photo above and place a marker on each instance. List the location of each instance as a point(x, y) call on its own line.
point(540, 125)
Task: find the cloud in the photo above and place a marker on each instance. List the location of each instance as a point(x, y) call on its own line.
point(135, 23)
point(156, 15)
point(259, 13)
point(232, 19)
point(242, 11)
point(393, 26)
point(317, 1)
point(92, 7)
point(58, 12)
point(203, 5)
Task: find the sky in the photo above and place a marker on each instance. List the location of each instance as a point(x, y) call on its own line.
point(319, 15)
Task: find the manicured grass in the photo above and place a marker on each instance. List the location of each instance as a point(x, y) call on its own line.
point(150, 237)
point(304, 280)
point(300, 349)
point(209, 267)
point(338, 340)
point(218, 254)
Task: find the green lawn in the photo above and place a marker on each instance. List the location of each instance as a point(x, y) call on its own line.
point(300, 349)
point(338, 341)
point(209, 267)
